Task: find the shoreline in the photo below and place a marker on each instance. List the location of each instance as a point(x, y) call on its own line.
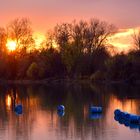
point(43, 82)
point(66, 80)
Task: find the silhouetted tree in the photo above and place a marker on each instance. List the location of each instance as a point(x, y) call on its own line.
point(62, 34)
point(81, 51)
point(97, 34)
point(79, 34)
point(20, 31)
point(91, 35)
point(136, 39)
point(3, 39)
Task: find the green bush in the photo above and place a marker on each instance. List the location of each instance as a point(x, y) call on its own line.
point(97, 76)
point(33, 71)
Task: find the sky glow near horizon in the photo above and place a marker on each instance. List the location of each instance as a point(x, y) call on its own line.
point(45, 14)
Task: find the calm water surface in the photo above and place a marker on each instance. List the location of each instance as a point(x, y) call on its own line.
point(40, 120)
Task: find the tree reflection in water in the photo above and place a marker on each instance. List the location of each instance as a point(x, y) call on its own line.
point(41, 121)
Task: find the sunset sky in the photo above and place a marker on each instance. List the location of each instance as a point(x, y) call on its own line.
point(44, 14)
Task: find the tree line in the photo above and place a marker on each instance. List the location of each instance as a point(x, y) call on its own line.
point(82, 51)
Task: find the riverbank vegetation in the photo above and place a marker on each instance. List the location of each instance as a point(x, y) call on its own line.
point(71, 50)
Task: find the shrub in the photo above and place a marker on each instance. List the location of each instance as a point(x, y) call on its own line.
point(33, 71)
point(97, 76)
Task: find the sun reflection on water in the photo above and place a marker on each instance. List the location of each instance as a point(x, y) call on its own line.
point(8, 101)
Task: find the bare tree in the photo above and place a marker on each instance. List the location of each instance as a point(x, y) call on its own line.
point(3, 38)
point(136, 39)
point(49, 40)
point(20, 30)
point(79, 32)
point(76, 38)
point(91, 35)
point(62, 34)
point(97, 34)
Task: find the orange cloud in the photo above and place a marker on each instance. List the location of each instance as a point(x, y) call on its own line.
point(123, 40)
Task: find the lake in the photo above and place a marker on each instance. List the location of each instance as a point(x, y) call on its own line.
point(41, 121)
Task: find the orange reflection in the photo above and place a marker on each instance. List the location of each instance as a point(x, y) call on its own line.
point(127, 105)
point(8, 101)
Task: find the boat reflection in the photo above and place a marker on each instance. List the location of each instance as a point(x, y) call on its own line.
point(127, 123)
point(61, 113)
point(94, 116)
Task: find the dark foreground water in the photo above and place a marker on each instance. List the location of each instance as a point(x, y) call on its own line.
point(40, 120)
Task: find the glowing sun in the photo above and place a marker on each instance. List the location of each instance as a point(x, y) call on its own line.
point(11, 45)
